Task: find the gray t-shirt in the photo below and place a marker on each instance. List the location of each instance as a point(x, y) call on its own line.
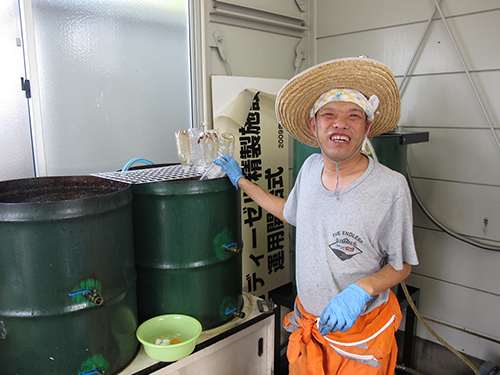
point(339, 241)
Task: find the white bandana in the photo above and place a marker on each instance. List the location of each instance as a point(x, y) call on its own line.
point(347, 95)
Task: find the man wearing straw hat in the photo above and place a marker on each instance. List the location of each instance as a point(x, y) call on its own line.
point(353, 219)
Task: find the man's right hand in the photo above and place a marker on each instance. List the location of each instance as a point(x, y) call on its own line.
point(343, 310)
point(231, 168)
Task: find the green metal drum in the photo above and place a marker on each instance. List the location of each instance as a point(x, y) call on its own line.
point(300, 153)
point(67, 277)
point(391, 151)
point(187, 237)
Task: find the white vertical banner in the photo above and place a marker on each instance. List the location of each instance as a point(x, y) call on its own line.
point(244, 107)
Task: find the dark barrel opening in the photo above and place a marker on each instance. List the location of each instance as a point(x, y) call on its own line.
point(51, 189)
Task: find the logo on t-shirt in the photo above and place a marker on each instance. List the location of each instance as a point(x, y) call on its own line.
point(345, 245)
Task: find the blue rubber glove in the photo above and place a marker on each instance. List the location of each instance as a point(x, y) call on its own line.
point(231, 168)
point(343, 310)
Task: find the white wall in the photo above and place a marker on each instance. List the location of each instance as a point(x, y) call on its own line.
point(456, 173)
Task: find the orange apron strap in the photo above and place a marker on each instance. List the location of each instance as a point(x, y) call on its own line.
point(368, 348)
point(307, 335)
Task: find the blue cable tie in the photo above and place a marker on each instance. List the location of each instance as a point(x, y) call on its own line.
point(230, 311)
point(79, 292)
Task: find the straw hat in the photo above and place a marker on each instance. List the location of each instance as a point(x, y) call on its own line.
point(370, 77)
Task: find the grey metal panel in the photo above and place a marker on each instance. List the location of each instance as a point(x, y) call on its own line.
point(283, 7)
point(456, 206)
point(448, 101)
point(477, 38)
point(255, 53)
point(395, 47)
point(474, 34)
point(437, 54)
point(444, 249)
point(16, 157)
point(338, 17)
point(459, 7)
point(466, 155)
point(467, 314)
point(114, 82)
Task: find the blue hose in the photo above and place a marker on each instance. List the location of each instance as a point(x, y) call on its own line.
point(90, 372)
point(136, 160)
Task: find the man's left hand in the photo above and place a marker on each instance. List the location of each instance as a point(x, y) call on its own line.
point(343, 310)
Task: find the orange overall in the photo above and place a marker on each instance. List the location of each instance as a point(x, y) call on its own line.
point(368, 348)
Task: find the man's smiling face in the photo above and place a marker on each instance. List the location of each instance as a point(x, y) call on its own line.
point(340, 128)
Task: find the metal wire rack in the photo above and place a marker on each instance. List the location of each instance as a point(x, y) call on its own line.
point(158, 174)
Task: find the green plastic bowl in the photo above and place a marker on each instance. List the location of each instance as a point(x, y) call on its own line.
point(172, 326)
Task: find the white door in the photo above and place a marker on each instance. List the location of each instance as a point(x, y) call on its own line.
point(111, 82)
point(16, 156)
